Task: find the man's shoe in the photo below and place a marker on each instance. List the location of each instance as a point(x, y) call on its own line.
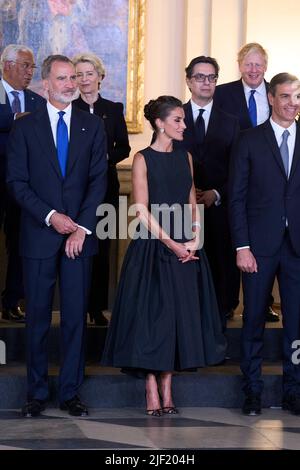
point(33, 408)
point(252, 405)
point(75, 407)
point(271, 316)
point(292, 403)
point(98, 318)
point(13, 314)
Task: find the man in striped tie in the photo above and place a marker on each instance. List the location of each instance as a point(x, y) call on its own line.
point(16, 99)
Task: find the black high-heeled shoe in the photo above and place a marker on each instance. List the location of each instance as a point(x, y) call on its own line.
point(157, 412)
point(170, 410)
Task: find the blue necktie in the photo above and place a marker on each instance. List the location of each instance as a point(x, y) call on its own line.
point(62, 143)
point(284, 150)
point(16, 103)
point(200, 127)
point(252, 109)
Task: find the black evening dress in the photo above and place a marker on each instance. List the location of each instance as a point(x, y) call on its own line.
point(165, 315)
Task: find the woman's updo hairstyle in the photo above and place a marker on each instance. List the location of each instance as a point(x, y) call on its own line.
point(160, 109)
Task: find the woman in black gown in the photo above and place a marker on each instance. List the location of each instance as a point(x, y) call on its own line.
point(165, 316)
point(90, 72)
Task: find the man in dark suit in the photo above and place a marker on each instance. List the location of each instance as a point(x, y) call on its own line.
point(57, 174)
point(210, 142)
point(247, 99)
point(264, 200)
point(17, 70)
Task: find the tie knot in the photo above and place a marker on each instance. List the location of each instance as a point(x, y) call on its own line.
point(252, 92)
point(201, 111)
point(61, 114)
point(285, 135)
point(15, 94)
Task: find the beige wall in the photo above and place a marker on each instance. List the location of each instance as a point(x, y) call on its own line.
point(178, 30)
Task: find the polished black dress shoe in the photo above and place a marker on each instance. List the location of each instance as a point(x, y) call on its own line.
point(75, 407)
point(98, 318)
point(252, 405)
point(13, 314)
point(33, 408)
point(271, 316)
point(292, 403)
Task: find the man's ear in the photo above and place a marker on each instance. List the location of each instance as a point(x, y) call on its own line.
point(45, 84)
point(270, 98)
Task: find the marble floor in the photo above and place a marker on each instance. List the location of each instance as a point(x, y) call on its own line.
point(129, 428)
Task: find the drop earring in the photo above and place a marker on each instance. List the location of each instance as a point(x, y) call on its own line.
point(161, 130)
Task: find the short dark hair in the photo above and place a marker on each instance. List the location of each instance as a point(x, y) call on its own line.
point(160, 108)
point(279, 79)
point(47, 64)
point(202, 59)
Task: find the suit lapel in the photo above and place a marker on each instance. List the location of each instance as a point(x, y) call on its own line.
point(4, 101)
point(45, 137)
point(29, 101)
point(189, 121)
point(241, 102)
point(77, 138)
point(270, 136)
point(213, 123)
point(296, 156)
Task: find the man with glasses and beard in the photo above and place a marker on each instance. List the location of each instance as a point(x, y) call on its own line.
point(57, 174)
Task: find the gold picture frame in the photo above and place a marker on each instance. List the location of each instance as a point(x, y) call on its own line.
point(135, 66)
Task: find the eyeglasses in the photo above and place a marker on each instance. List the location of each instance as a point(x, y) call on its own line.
point(200, 77)
point(25, 65)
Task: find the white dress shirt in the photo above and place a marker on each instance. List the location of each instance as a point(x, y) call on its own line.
point(278, 131)
point(261, 99)
point(54, 117)
point(206, 118)
point(8, 88)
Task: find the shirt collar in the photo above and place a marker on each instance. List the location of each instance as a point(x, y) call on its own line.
point(261, 89)
point(53, 111)
point(8, 88)
point(207, 107)
point(279, 129)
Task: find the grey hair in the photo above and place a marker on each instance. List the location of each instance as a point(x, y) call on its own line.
point(11, 52)
point(47, 64)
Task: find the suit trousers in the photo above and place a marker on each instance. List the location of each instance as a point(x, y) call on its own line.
point(40, 280)
point(256, 287)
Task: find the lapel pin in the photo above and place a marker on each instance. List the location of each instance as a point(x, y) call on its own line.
point(83, 129)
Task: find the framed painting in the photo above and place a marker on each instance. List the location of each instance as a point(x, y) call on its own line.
point(112, 29)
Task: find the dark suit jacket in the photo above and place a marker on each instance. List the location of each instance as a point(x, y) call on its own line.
point(32, 102)
point(34, 179)
point(211, 160)
point(118, 147)
point(260, 195)
point(231, 98)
